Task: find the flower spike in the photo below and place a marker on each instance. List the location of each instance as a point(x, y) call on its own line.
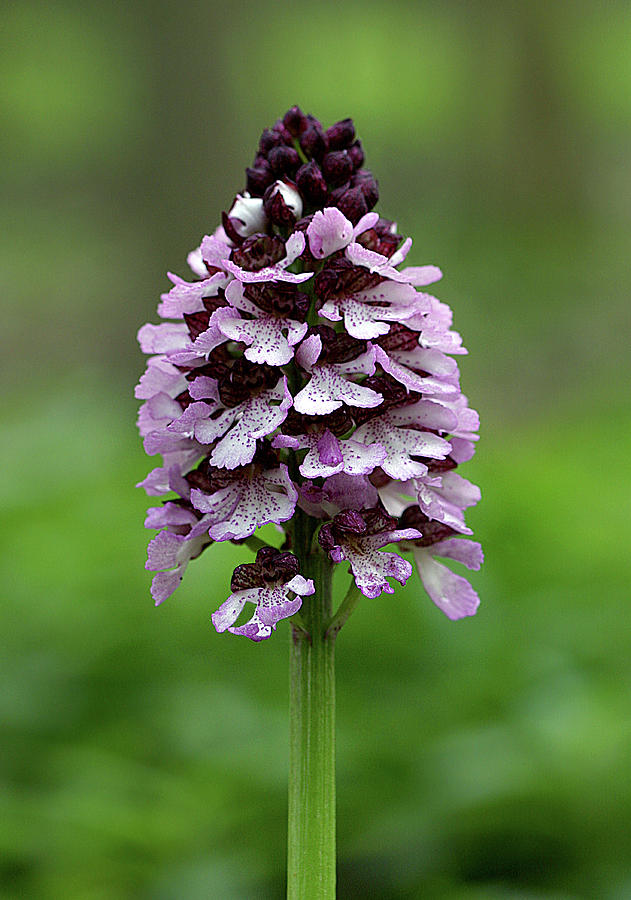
point(305, 378)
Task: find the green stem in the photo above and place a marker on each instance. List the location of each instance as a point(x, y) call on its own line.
point(348, 604)
point(311, 834)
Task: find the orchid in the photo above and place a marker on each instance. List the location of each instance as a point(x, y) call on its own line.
point(305, 378)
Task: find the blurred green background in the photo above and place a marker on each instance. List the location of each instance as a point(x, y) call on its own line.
point(145, 756)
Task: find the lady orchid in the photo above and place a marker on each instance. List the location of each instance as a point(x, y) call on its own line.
point(304, 377)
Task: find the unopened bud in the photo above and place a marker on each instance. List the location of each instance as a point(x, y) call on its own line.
point(295, 121)
point(258, 178)
point(283, 160)
point(313, 140)
point(337, 167)
point(311, 183)
point(341, 134)
point(353, 204)
point(368, 185)
point(356, 153)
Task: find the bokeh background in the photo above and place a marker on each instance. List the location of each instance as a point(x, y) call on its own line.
point(143, 755)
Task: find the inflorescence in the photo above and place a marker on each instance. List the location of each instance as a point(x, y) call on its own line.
point(302, 373)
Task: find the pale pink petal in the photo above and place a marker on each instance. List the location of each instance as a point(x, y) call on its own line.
point(161, 377)
point(229, 611)
point(163, 338)
point(469, 553)
point(328, 231)
point(186, 297)
point(450, 592)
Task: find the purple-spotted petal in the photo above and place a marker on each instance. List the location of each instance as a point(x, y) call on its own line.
point(371, 567)
point(264, 336)
point(401, 444)
point(253, 420)
point(272, 604)
point(328, 390)
point(249, 502)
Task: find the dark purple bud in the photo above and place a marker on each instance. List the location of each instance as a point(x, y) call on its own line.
point(280, 299)
point(369, 186)
point(356, 153)
point(259, 251)
point(269, 139)
point(313, 140)
point(353, 204)
point(258, 178)
point(393, 392)
point(279, 128)
point(265, 456)
point(441, 465)
point(311, 183)
point(295, 121)
point(244, 381)
point(282, 203)
point(283, 160)
point(337, 167)
point(341, 134)
point(201, 477)
point(269, 566)
point(245, 577)
point(213, 303)
point(431, 530)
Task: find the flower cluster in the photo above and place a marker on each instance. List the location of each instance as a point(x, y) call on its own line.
point(303, 372)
